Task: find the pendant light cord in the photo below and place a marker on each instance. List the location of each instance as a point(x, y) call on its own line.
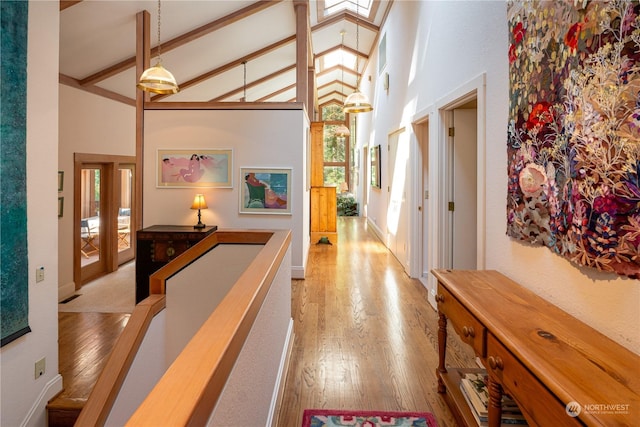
point(357, 44)
point(244, 63)
point(159, 58)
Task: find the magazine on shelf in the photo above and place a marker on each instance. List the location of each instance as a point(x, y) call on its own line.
point(474, 390)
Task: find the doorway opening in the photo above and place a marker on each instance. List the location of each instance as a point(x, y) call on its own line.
point(461, 163)
point(103, 215)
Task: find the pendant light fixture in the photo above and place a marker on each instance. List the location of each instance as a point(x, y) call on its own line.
point(357, 102)
point(158, 79)
point(342, 131)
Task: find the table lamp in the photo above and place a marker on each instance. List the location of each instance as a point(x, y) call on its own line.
point(199, 203)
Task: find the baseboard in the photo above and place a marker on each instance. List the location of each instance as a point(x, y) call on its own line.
point(283, 369)
point(37, 415)
point(297, 272)
point(66, 290)
point(376, 230)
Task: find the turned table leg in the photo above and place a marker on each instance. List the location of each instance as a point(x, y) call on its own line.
point(442, 351)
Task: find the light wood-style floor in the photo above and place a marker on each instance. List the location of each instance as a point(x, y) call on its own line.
point(365, 336)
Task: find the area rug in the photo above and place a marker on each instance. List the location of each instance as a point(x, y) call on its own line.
point(337, 418)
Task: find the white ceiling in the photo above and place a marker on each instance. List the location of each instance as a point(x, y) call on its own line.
point(98, 34)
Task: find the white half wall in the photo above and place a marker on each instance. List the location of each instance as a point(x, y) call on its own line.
point(258, 138)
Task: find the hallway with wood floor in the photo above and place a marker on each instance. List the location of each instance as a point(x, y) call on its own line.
point(365, 337)
point(365, 334)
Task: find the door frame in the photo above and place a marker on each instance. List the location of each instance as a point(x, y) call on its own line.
point(109, 203)
point(434, 231)
point(473, 90)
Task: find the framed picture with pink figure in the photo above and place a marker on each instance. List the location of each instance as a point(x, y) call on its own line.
point(194, 168)
point(265, 191)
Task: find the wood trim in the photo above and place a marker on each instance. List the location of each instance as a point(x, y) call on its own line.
point(278, 92)
point(254, 83)
point(338, 47)
point(182, 40)
point(192, 385)
point(301, 8)
point(110, 163)
point(157, 280)
point(70, 81)
point(65, 4)
point(346, 16)
point(104, 393)
point(224, 106)
point(230, 65)
point(339, 68)
point(143, 60)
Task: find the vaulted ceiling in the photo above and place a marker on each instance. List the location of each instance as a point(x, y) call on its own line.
point(218, 50)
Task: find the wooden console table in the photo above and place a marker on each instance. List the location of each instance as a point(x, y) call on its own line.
point(159, 244)
point(559, 370)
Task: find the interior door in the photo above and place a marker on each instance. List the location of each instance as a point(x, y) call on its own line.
point(464, 189)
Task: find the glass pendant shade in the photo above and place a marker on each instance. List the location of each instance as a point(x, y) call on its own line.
point(342, 130)
point(357, 102)
point(158, 79)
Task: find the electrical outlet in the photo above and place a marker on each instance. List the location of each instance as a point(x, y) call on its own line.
point(39, 274)
point(40, 367)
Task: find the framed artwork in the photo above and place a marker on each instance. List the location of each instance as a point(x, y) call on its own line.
point(60, 180)
point(375, 166)
point(265, 191)
point(60, 206)
point(194, 168)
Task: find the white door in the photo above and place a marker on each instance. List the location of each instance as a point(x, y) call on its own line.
point(398, 213)
point(463, 186)
point(422, 135)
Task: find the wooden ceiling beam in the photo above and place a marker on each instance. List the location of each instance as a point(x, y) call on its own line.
point(230, 65)
point(278, 92)
point(182, 40)
point(254, 83)
point(337, 68)
point(346, 16)
point(64, 4)
point(70, 81)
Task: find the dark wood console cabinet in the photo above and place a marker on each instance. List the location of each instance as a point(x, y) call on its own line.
point(159, 244)
point(559, 370)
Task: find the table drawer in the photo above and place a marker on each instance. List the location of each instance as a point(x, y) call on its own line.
point(538, 404)
point(471, 331)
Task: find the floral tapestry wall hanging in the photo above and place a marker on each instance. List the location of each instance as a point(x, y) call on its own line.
point(574, 130)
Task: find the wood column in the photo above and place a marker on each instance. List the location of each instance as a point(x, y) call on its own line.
point(324, 212)
point(302, 53)
point(143, 61)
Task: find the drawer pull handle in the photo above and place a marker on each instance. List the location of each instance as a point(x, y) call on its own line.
point(439, 298)
point(468, 332)
point(496, 363)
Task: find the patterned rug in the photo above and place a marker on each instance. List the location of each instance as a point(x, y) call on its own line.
point(337, 418)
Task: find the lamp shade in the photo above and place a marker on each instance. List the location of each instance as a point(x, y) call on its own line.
point(357, 102)
point(199, 202)
point(158, 79)
point(342, 130)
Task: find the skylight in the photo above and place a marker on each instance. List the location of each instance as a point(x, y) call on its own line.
point(339, 57)
point(363, 7)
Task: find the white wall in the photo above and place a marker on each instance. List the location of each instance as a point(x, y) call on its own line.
point(23, 398)
point(434, 48)
point(94, 125)
point(266, 138)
